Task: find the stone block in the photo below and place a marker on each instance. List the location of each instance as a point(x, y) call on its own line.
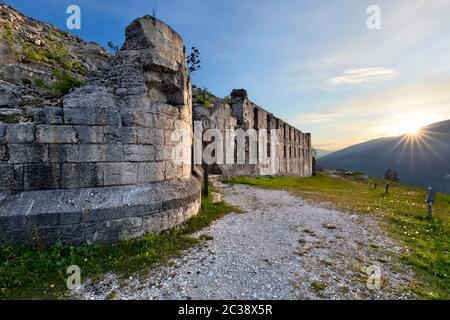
point(163, 122)
point(56, 134)
point(3, 133)
point(77, 153)
point(48, 115)
point(41, 176)
point(121, 135)
point(92, 116)
point(164, 108)
point(136, 152)
point(114, 152)
point(150, 136)
point(163, 152)
point(173, 170)
point(120, 173)
point(20, 133)
point(4, 152)
point(151, 172)
point(153, 223)
point(11, 177)
point(89, 153)
point(137, 118)
point(90, 134)
point(26, 153)
point(81, 175)
point(63, 152)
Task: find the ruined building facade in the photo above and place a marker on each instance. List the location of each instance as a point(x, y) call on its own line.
point(287, 153)
point(97, 165)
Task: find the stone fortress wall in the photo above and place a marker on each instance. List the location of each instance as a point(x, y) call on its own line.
point(99, 166)
point(293, 155)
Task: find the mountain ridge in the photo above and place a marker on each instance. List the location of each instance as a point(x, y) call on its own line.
point(422, 159)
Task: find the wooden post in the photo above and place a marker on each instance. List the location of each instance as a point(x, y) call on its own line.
point(205, 179)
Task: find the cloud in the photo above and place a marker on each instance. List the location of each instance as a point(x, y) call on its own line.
point(357, 76)
point(388, 112)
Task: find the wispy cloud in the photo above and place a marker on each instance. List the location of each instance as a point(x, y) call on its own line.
point(360, 75)
point(385, 113)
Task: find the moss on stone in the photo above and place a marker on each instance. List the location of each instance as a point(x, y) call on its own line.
point(9, 118)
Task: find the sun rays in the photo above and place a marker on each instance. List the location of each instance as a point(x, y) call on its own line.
point(416, 142)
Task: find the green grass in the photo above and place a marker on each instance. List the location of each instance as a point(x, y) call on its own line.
point(40, 273)
point(55, 50)
point(318, 286)
point(403, 210)
point(64, 82)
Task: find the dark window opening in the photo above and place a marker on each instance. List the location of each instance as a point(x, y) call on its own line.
point(255, 119)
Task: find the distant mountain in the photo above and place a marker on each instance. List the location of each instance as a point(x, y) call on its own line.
point(423, 159)
point(322, 153)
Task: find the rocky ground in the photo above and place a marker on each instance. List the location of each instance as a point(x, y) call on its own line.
point(280, 247)
point(34, 56)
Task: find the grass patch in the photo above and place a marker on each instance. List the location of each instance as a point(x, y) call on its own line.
point(34, 273)
point(403, 210)
point(54, 51)
point(318, 286)
point(206, 237)
point(203, 97)
point(63, 84)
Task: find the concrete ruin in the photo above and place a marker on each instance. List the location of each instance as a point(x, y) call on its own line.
point(97, 165)
point(99, 168)
point(289, 153)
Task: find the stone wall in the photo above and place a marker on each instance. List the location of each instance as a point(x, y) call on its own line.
point(293, 153)
point(111, 160)
point(114, 132)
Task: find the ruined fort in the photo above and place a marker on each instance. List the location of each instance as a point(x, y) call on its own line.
point(96, 164)
point(287, 149)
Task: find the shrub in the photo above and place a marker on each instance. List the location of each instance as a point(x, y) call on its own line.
point(63, 84)
point(203, 97)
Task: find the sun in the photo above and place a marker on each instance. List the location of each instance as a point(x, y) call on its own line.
point(410, 124)
point(412, 130)
point(407, 126)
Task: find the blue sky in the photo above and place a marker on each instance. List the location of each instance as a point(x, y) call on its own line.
point(314, 62)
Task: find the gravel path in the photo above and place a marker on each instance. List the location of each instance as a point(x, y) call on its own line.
point(280, 247)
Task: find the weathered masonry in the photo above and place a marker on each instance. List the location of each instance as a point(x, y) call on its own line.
point(103, 163)
point(292, 155)
point(99, 167)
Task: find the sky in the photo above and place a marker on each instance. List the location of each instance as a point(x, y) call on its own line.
point(313, 63)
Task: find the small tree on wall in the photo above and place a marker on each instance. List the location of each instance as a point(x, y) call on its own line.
point(193, 60)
